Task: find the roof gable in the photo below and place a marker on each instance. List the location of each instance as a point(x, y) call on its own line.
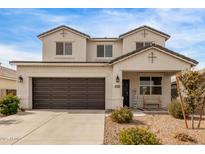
point(60, 28)
point(158, 47)
point(145, 28)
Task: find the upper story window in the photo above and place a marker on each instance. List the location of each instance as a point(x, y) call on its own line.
point(150, 85)
point(142, 44)
point(63, 48)
point(104, 50)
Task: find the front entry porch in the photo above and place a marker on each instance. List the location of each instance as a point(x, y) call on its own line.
point(146, 90)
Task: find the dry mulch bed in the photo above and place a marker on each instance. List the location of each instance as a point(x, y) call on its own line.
point(164, 126)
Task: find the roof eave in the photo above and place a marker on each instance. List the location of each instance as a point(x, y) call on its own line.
point(40, 36)
point(59, 63)
point(146, 27)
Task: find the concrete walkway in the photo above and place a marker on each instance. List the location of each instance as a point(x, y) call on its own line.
point(53, 127)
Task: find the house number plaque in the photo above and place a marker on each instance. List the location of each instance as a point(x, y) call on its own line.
point(117, 86)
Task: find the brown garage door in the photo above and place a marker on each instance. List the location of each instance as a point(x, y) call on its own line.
point(68, 93)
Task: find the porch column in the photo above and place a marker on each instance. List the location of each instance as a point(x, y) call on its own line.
point(117, 99)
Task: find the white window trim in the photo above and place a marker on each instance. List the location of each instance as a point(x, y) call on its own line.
point(64, 55)
point(150, 94)
point(108, 58)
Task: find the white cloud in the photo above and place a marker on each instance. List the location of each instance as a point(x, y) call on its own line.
point(43, 15)
point(9, 53)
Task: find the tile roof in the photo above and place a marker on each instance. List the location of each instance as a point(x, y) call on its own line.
point(63, 26)
point(145, 26)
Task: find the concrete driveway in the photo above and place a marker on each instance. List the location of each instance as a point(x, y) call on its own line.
point(53, 127)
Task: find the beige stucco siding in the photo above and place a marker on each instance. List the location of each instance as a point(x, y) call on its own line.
point(86, 50)
point(92, 50)
point(7, 84)
point(162, 62)
point(129, 42)
point(24, 90)
point(78, 46)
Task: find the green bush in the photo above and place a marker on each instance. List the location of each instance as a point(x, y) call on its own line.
point(174, 109)
point(9, 104)
point(122, 115)
point(138, 136)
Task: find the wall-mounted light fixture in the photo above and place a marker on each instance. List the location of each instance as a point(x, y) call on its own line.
point(20, 79)
point(117, 79)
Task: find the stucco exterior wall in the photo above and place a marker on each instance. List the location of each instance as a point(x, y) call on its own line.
point(162, 62)
point(92, 50)
point(7, 84)
point(78, 46)
point(129, 42)
point(24, 90)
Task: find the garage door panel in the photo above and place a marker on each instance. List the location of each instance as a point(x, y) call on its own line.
point(69, 93)
point(58, 106)
point(77, 89)
point(95, 101)
point(42, 105)
point(37, 97)
point(95, 89)
point(78, 93)
point(95, 92)
point(77, 97)
point(78, 105)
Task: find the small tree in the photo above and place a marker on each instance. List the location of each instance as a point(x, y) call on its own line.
point(193, 84)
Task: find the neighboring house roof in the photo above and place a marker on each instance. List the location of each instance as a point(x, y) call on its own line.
point(146, 27)
point(7, 73)
point(62, 27)
point(194, 62)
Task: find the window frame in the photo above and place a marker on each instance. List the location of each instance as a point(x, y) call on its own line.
point(144, 42)
point(104, 51)
point(150, 85)
point(64, 44)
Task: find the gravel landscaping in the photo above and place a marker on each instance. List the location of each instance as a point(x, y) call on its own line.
point(164, 126)
point(1, 116)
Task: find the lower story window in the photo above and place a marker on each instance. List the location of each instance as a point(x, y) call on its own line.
point(150, 85)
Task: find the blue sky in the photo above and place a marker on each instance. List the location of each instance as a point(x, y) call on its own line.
point(19, 28)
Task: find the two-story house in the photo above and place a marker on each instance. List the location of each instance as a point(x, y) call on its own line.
point(81, 72)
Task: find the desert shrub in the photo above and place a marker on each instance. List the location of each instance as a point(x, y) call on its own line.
point(122, 115)
point(9, 104)
point(184, 138)
point(138, 136)
point(174, 109)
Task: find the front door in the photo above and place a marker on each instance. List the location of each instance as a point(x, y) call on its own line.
point(125, 92)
